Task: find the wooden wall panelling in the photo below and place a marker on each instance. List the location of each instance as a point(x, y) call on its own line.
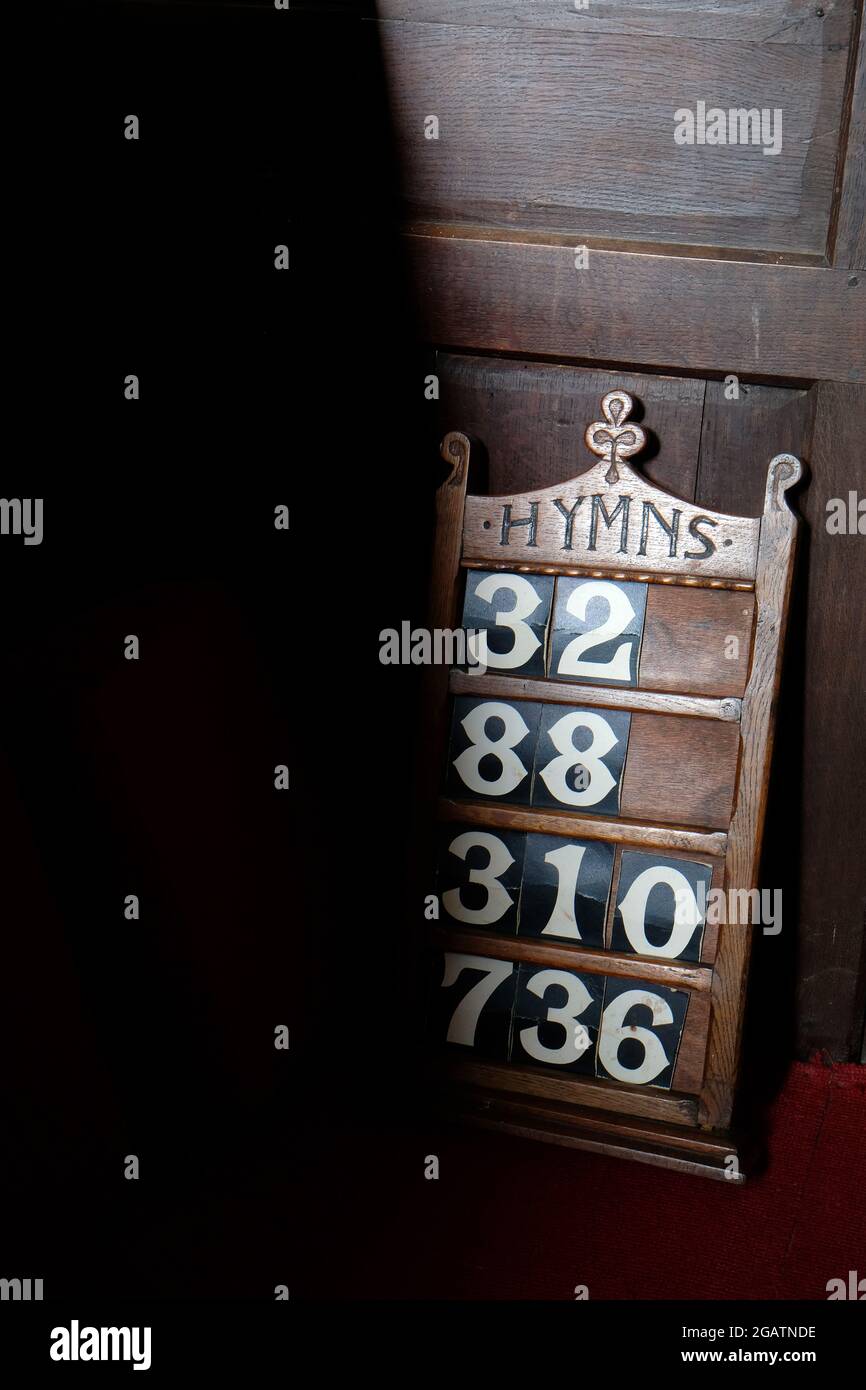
point(530, 418)
point(755, 21)
point(497, 293)
point(832, 887)
point(589, 147)
point(443, 604)
point(738, 435)
point(811, 849)
point(848, 233)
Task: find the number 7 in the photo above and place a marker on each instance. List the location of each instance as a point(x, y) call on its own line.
point(464, 1020)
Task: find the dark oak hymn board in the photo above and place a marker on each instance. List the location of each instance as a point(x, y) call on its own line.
point(603, 775)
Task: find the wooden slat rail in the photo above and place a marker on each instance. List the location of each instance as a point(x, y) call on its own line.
point(533, 950)
point(609, 1095)
point(497, 815)
point(560, 693)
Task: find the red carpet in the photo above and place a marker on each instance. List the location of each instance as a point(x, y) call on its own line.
point(509, 1219)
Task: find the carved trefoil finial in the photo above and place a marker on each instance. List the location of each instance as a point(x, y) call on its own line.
point(612, 438)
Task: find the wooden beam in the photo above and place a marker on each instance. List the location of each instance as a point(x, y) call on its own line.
point(498, 292)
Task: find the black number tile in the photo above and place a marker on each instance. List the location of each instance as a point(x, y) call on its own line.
point(566, 884)
point(579, 760)
point(513, 610)
point(479, 877)
point(661, 906)
point(471, 1010)
point(596, 631)
point(556, 1019)
point(492, 749)
point(641, 1028)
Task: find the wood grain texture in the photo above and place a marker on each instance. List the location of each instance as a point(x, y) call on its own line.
point(676, 1137)
point(681, 770)
point(831, 886)
point(691, 1058)
point(761, 21)
point(848, 233)
point(500, 294)
point(687, 642)
point(772, 589)
point(635, 576)
point(738, 437)
point(558, 692)
point(578, 1126)
point(649, 835)
point(576, 1090)
point(812, 837)
point(532, 950)
point(587, 147)
point(627, 522)
point(444, 603)
point(508, 1120)
point(530, 418)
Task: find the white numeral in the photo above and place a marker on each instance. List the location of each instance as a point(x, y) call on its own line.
point(512, 770)
point(620, 614)
point(567, 862)
point(562, 737)
point(686, 913)
point(614, 1033)
point(465, 1018)
point(577, 1039)
point(499, 900)
point(526, 600)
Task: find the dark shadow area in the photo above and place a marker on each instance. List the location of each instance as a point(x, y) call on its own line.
point(259, 387)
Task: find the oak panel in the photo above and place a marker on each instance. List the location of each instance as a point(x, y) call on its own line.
point(687, 644)
point(496, 292)
point(530, 418)
point(766, 21)
point(682, 770)
point(588, 148)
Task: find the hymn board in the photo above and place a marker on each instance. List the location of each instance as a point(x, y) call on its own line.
point(604, 774)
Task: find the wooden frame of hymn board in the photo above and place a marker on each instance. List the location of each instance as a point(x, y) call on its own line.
point(686, 1127)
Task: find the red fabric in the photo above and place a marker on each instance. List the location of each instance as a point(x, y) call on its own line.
point(513, 1219)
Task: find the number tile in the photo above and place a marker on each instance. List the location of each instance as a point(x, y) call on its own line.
point(479, 877)
point(514, 611)
point(556, 1019)
point(661, 906)
point(641, 1029)
point(566, 884)
point(492, 749)
point(472, 1008)
point(579, 759)
point(596, 631)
